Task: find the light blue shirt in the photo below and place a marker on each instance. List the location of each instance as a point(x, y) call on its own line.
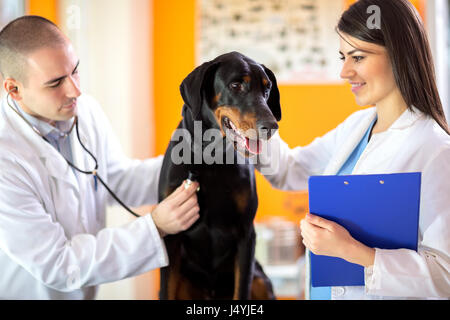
point(324, 293)
point(56, 135)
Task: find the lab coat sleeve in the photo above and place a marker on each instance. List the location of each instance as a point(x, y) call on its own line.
point(425, 273)
point(32, 239)
point(134, 181)
point(289, 169)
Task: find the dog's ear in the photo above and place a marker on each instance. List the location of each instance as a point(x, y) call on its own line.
point(274, 99)
point(193, 85)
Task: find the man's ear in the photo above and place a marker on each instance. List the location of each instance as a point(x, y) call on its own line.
point(274, 99)
point(191, 88)
point(12, 86)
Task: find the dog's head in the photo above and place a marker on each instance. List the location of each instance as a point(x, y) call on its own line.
point(236, 95)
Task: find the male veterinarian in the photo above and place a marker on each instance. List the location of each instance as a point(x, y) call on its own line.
point(56, 151)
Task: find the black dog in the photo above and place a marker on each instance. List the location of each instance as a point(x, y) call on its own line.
point(214, 259)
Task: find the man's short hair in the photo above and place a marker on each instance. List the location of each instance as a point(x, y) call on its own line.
point(21, 37)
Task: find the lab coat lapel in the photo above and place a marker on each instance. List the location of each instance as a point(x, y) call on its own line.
point(346, 148)
point(54, 162)
point(381, 154)
point(58, 168)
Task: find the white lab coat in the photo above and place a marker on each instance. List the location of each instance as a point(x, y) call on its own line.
point(53, 240)
point(414, 143)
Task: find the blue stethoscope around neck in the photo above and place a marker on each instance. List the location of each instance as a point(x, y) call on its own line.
point(94, 172)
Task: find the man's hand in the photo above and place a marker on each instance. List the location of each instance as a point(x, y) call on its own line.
point(178, 211)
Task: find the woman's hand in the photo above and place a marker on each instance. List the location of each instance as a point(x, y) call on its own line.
point(325, 237)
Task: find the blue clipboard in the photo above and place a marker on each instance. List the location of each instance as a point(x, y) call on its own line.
point(381, 211)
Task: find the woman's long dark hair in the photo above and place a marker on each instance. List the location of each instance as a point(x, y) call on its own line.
point(403, 35)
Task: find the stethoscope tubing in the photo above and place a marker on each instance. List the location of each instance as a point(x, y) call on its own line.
point(92, 172)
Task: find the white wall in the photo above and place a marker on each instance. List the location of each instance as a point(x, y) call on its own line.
point(437, 26)
point(113, 39)
point(9, 10)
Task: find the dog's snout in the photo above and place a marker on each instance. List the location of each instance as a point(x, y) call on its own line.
point(266, 128)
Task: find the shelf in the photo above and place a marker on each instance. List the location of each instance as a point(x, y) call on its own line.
point(282, 271)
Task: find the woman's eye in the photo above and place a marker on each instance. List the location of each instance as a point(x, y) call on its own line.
point(237, 86)
point(355, 58)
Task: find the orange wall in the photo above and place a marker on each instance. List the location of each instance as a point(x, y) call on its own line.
point(46, 8)
point(174, 58)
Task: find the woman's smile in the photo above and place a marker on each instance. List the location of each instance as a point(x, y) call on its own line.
point(356, 86)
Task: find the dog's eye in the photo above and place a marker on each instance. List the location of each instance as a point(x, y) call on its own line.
point(236, 86)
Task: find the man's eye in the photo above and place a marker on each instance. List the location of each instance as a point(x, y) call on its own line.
point(55, 85)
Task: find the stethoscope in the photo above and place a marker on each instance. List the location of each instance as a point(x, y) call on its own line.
point(94, 172)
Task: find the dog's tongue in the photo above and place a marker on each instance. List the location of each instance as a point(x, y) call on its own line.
point(254, 146)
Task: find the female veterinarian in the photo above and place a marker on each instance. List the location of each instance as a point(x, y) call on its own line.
point(391, 69)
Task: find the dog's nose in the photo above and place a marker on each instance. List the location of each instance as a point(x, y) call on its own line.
point(266, 128)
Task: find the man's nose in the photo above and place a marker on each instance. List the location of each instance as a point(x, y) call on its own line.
point(73, 87)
